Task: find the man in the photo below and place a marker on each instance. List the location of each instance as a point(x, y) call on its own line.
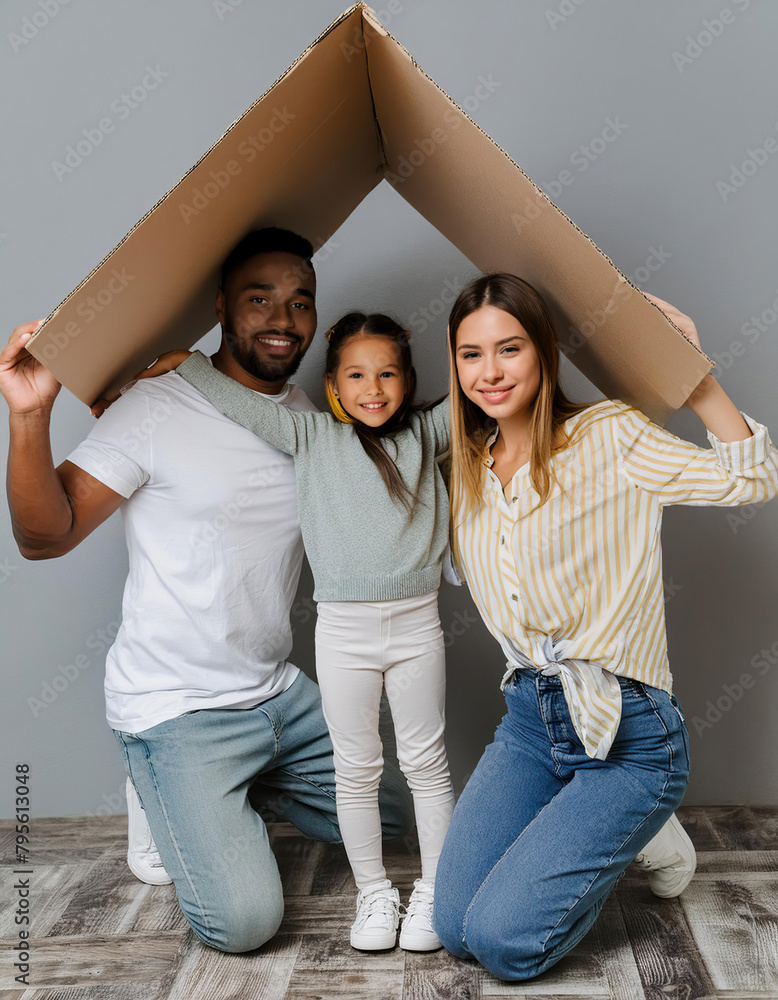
point(203, 701)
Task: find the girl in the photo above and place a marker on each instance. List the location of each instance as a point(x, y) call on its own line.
point(556, 514)
point(374, 516)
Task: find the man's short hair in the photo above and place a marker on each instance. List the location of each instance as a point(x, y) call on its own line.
point(268, 240)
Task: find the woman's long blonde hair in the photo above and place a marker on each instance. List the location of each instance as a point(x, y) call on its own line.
point(470, 426)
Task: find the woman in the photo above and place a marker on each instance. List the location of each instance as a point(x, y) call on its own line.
point(556, 517)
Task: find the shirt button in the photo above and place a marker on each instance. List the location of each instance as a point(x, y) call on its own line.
point(514, 597)
point(502, 540)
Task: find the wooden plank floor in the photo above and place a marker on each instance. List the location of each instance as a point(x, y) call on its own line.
point(96, 932)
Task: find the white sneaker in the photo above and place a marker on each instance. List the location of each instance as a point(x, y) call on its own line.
point(417, 933)
point(378, 917)
point(142, 855)
point(670, 860)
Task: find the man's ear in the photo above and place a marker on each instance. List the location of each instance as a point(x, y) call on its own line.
point(220, 306)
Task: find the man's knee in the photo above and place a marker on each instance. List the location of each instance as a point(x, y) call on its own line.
point(242, 927)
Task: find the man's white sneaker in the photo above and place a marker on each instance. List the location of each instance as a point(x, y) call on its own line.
point(670, 860)
point(417, 933)
point(142, 855)
point(378, 917)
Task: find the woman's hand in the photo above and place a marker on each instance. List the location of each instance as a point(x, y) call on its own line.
point(709, 401)
point(681, 320)
point(165, 363)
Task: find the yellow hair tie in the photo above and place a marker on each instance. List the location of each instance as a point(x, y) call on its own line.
point(335, 406)
point(330, 332)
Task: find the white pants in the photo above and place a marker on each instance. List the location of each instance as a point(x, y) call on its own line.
point(360, 647)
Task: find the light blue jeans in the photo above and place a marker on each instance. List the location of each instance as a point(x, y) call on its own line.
point(542, 833)
point(194, 776)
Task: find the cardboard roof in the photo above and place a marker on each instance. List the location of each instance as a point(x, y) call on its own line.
point(353, 110)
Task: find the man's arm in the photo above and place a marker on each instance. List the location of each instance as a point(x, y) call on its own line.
point(52, 509)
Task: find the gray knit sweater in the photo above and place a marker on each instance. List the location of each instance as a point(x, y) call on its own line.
point(362, 545)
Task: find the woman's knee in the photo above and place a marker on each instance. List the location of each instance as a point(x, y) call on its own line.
point(509, 952)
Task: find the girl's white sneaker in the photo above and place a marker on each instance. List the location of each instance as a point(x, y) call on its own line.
point(378, 917)
point(417, 933)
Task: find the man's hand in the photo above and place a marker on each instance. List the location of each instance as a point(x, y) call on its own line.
point(165, 363)
point(28, 387)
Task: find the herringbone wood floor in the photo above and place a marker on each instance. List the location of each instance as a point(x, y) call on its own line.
point(99, 933)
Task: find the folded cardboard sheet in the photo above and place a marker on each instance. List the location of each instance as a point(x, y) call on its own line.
point(352, 111)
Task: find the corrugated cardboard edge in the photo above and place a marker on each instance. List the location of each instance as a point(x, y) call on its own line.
point(331, 27)
point(369, 14)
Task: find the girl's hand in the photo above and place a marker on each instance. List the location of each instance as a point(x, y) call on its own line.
point(683, 322)
point(165, 363)
point(27, 385)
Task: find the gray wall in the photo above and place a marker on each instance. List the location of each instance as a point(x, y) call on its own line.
point(558, 71)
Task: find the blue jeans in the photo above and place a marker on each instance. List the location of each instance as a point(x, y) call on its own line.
point(542, 833)
point(193, 775)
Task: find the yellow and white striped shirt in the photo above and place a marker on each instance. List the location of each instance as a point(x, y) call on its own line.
point(574, 587)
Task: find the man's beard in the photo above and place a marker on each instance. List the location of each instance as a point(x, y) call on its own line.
point(267, 370)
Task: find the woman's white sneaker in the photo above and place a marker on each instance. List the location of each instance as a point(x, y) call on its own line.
point(378, 917)
point(670, 860)
point(417, 933)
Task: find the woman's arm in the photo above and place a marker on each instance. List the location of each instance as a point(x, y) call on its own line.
point(740, 468)
point(709, 401)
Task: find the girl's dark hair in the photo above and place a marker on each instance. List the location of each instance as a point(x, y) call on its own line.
point(377, 325)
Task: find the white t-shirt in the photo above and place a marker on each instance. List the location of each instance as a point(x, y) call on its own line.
point(214, 548)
